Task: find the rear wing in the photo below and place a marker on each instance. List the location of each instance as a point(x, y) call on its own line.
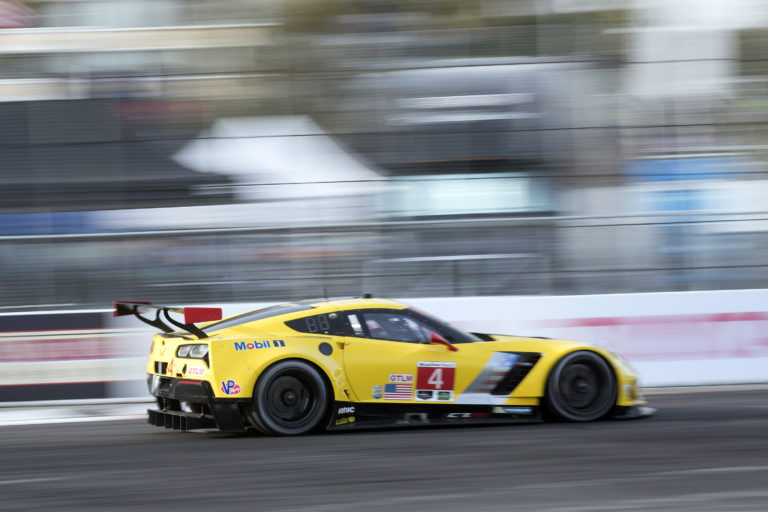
point(192, 315)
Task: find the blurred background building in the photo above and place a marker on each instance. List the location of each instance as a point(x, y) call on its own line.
point(229, 150)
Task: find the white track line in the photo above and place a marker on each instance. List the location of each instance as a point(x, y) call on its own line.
point(682, 390)
point(33, 480)
point(78, 402)
point(79, 419)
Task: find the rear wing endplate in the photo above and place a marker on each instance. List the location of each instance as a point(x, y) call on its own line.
point(192, 315)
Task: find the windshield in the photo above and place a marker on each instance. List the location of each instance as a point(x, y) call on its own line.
point(259, 314)
point(446, 330)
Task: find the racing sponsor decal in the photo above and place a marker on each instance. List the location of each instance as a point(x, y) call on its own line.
point(197, 371)
point(346, 410)
point(512, 410)
point(434, 381)
point(424, 394)
point(344, 421)
point(398, 392)
point(465, 415)
point(401, 378)
point(230, 387)
point(377, 392)
point(255, 345)
point(429, 395)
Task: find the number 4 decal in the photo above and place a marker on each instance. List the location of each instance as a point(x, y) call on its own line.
point(436, 376)
point(436, 379)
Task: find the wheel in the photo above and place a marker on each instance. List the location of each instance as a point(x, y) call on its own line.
point(581, 387)
point(290, 398)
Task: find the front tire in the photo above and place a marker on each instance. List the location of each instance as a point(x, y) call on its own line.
point(290, 398)
point(581, 387)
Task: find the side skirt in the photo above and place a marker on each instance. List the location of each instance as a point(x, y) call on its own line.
point(350, 415)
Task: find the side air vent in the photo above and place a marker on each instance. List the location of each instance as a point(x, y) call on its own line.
point(517, 373)
point(161, 367)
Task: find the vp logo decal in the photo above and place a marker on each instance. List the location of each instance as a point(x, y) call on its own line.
point(230, 387)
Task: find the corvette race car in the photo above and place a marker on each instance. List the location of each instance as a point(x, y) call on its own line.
point(363, 362)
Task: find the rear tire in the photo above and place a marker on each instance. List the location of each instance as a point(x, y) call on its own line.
point(581, 387)
point(290, 398)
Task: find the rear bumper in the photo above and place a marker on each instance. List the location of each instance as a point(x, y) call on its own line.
point(184, 390)
point(175, 396)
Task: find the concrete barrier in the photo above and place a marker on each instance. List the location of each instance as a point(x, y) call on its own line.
point(672, 339)
point(68, 355)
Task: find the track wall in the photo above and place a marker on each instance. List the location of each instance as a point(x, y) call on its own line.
point(672, 339)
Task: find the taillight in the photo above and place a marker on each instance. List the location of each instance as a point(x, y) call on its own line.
point(196, 351)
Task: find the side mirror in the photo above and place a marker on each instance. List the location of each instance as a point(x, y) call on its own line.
point(436, 338)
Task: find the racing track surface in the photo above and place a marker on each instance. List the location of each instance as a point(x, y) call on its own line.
point(702, 451)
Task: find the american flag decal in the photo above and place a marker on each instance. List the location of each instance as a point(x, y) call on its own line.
point(398, 392)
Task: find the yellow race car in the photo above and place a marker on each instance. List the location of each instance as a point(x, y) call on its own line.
point(363, 362)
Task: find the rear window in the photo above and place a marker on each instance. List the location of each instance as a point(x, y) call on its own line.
point(333, 323)
point(259, 314)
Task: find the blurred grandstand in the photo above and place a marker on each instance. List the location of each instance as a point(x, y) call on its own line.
point(222, 150)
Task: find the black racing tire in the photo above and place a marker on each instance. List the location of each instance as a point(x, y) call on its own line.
point(290, 398)
point(581, 387)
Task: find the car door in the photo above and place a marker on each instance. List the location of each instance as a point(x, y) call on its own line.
point(390, 359)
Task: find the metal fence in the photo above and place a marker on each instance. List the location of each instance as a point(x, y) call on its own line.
point(499, 256)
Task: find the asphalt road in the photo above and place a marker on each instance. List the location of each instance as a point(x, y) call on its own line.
point(701, 452)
